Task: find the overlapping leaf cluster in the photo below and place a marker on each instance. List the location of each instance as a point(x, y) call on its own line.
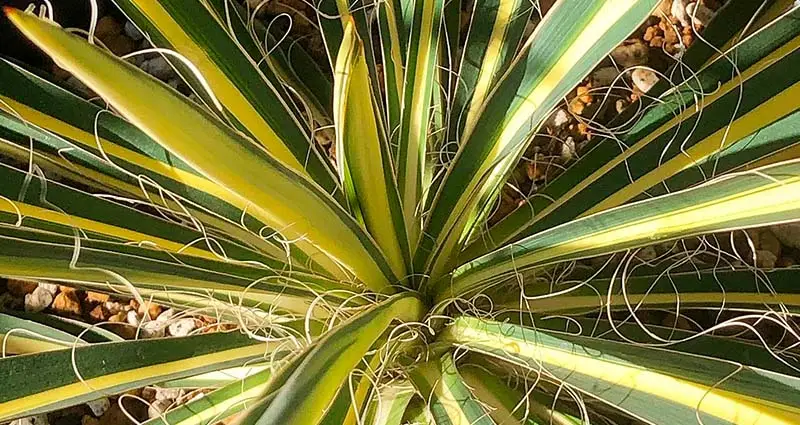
point(369, 289)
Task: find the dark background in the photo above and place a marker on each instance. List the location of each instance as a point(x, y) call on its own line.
point(68, 13)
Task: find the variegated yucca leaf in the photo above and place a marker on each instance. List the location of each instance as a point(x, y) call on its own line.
point(361, 283)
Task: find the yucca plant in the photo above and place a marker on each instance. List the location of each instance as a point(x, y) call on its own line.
point(370, 289)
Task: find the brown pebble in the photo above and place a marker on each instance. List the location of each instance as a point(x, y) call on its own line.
point(657, 42)
point(96, 297)
point(120, 44)
point(584, 95)
point(107, 27)
point(118, 317)
point(576, 106)
point(67, 303)
point(650, 32)
point(99, 314)
point(533, 171)
point(152, 309)
point(20, 288)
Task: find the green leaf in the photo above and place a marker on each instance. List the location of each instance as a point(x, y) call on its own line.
point(494, 35)
point(573, 37)
point(419, 85)
point(304, 390)
point(694, 342)
point(765, 196)
point(510, 406)
point(47, 381)
point(253, 102)
point(673, 136)
point(218, 404)
point(20, 336)
point(121, 160)
point(389, 404)
point(739, 288)
point(363, 156)
point(36, 254)
point(285, 199)
point(450, 400)
point(656, 385)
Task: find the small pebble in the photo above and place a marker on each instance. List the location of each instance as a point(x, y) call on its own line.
point(133, 32)
point(568, 148)
point(6, 300)
point(644, 79)
point(158, 67)
point(99, 406)
point(631, 53)
point(182, 327)
point(107, 26)
point(166, 315)
point(168, 394)
point(67, 303)
point(765, 259)
point(157, 408)
point(153, 329)
point(560, 118)
point(49, 287)
point(700, 14)
point(788, 234)
point(38, 300)
point(132, 318)
point(647, 253)
point(603, 77)
point(679, 12)
point(20, 288)
point(96, 297)
point(89, 420)
point(32, 420)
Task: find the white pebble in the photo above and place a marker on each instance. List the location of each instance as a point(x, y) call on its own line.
point(132, 318)
point(133, 32)
point(153, 329)
point(157, 408)
point(99, 406)
point(560, 118)
point(49, 287)
point(568, 148)
point(168, 394)
point(699, 13)
point(166, 315)
point(38, 300)
point(679, 12)
point(182, 327)
point(644, 79)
